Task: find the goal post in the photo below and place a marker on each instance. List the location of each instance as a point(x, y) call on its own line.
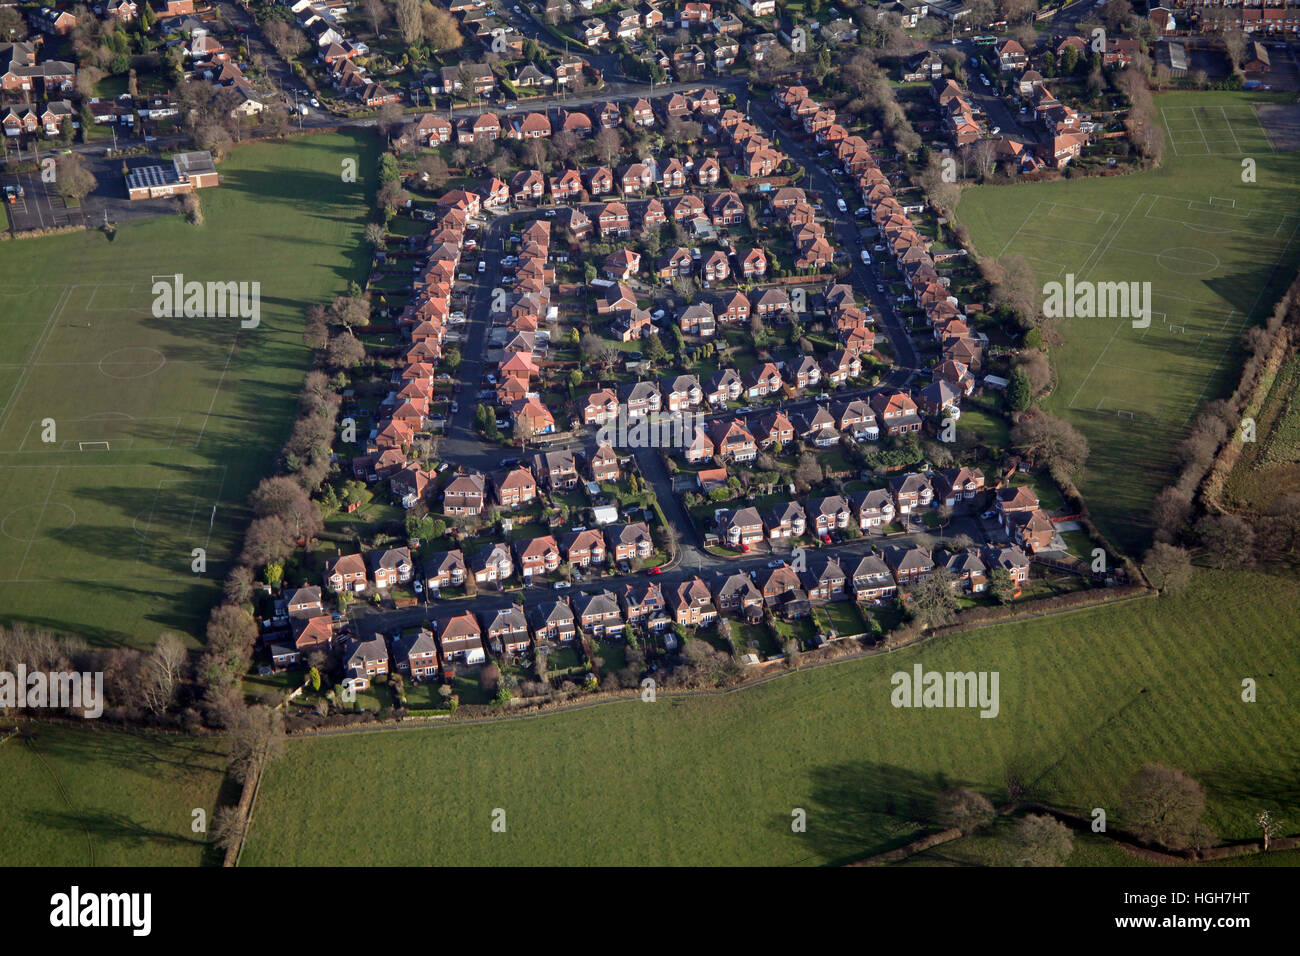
point(93, 446)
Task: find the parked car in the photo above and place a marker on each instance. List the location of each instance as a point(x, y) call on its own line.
point(562, 585)
point(656, 570)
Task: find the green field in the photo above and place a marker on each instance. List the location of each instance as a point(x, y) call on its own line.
point(81, 797)
point(1085, 699)
point(161, 426)
point(1218, 253)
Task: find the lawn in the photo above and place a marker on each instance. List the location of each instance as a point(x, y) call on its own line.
point(1218, 253)
point(161, 426)
point(88, 796)
point(1085, 699)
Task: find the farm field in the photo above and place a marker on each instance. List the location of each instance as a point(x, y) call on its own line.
point(83, 797)
point(1085, 699)
point(1269, 467)
point(1218, 253)
point(161, 426)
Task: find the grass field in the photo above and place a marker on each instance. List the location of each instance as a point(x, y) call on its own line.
point(1218, 253)
point(81, 797)
point(1085, 699)
point(161, 426)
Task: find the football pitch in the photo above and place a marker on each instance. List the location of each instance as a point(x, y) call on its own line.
point(1217, 251)
point(129, 442)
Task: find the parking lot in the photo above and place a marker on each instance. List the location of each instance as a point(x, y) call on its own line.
point(41, 206)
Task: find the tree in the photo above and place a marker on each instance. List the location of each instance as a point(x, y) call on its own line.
point(287, 39)
point(410, 20)
point(1001, 586)
point(1040, 840)
point(238, 588)
point(344, 351)
point(13, 28)
point(1228, 540)
point(934, 601)
point(432, 170)
point(1234, 44)
point(258, 737)
point(1052, 441)
point(376, 14)
point(227, 830)
point(440, 29)
point(376, 235)
point(390, 117)
point(1019, 392)
point(963, 809)
point(1167, 567)
point(164, 670)
point(1163, 805)
point(75, 179)
point(230, 636)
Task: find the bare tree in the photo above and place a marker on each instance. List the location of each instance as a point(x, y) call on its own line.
point(164, 670)
point(1040, 840)
point(964, 809)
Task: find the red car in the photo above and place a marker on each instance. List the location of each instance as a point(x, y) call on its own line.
point(656, 570)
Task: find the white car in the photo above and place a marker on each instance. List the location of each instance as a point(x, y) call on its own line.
point(482, 265)
point(866, 257)
point(562, 585)
point(843, 206)
point(550, 214)
point(418, 587)
point(315, 102)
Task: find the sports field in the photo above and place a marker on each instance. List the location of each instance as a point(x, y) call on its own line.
point(1085, 699)
point(128, 441)
point(1217, 251)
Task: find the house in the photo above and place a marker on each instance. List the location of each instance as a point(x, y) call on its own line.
point(460, 638)
point(599, 614)
point(740, 595)
point(492, 564)
point(1032, 530)
point(553, 622)
point(444, 569)
point(741, 528)
point(909, 565)
point(540, 555)
point(762, 380)
point(644, 605)
point(969, 573)
point(828, 514)
point(928, 66)
point(692, 603)
point(700, 448)
point(1012, 57)
point(774, 428)
point(629, 542)
point(895, 412)
point(416, 655)
point(464, 495)
point(872, 581)
point(583, 548)
point(508, 628)
point(823, 578)
point(954, 485)
point(872, 509)
point(346, 572)
point(613, 219)
point(622, 265)
point(682, 392)
point(723, 386)
point(603, 464)
point(601, 407)
point(1010, 559)
point(558, 469)
point(911, 492)
point(780, 585)
point(732, 440)
point(527, 184)
point(312, 633)
point(390, 567)
point(303, 601)
point(514, 487)
point(640, 399)
point(697, 319)
point(363, 661)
